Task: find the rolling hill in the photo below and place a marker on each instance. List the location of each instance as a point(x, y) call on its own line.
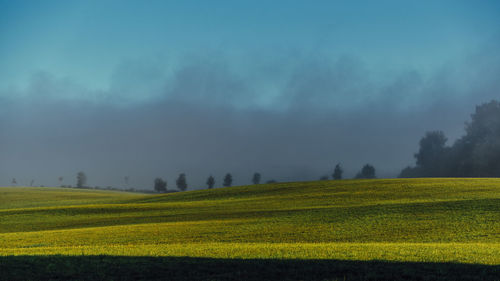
point(394, 220)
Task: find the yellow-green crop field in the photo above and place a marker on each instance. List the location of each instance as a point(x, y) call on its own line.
point(393, 220)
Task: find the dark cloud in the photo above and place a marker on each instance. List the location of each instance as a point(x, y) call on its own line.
point(206, 117)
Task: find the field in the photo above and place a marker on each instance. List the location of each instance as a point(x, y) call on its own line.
point(410, 229)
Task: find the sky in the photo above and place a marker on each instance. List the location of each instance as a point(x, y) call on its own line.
point(149, 89)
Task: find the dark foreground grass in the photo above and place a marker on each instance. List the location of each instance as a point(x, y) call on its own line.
point(186, 268)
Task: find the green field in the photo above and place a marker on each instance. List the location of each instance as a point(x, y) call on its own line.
point(349, 229)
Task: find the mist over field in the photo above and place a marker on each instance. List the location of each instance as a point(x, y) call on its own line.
point(218, 101)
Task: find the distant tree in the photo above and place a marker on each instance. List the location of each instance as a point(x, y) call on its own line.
point(126, 179)
point(228, 180)
point(160, 185)
point(367, 172)
point(210, 182)
point(32, 182)
point(14, 182)
point(60, 179)
point(81, 179)
point(271, 181)
point(181, 182)
point(256, 178)
point(337, 172)
point(431, 154)
point(433, 158)
point(478, 152)
point(323, 178)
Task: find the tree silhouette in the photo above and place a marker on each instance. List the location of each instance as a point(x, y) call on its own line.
point(160, 185)
point(228, 180)
point(210, 182)
point(430, 154)
point(367, 172)
point(256, 178)
point(479, 150)
point(337, 172)
point(476, 154)
point(81, 179)
point(181, 182)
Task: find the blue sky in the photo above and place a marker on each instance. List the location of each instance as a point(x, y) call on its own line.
point(86, 41)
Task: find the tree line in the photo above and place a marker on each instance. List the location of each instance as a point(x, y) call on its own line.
point(475, 154)
point(160, 185)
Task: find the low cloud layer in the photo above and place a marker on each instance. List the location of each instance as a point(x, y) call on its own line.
point(287, 118)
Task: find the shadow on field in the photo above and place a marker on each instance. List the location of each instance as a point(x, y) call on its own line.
point(185, 268)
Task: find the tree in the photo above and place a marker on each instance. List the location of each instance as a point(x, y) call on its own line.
point(476, 154)
point(210, 182)
point(60, 179)
point(228, 180)
point(181, 182)
point(160, 185)
point(337, 172)
point(256, 178)
point(367, 172)
point(433, 159)
point(81, 179)
point(431, 154)
point(14, 182)
point(271, 181)
point(479, 149)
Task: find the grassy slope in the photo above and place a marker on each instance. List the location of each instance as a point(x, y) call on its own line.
point(26, 197)
point(397, 220)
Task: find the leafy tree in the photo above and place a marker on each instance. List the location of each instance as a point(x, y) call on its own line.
point(160, 185)
point(256, 178)
point(228, 180)
point(210, 182)
point(337, 172)
point(81, 179)
point(432, 159)
point(479, 150)
point(367, 172)
point(431, 154)
point(181, 182)
point(476, 154)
